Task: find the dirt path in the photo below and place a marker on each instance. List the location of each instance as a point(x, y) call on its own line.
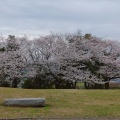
point(96, 118)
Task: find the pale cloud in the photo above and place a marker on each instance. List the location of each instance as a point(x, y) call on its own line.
point(32, 17)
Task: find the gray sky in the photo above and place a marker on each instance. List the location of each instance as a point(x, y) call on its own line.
point(39, 17)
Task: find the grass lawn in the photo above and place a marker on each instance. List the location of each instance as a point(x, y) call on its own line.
point(63, 103)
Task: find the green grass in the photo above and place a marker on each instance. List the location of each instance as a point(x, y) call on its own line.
point(80, 85)
point(63, 103)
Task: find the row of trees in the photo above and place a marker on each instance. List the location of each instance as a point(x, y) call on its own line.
point(57, 60)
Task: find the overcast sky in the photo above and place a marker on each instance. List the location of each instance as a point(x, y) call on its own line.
point(39, 17)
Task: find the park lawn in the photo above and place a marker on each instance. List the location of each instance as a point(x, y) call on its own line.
point(63, 103)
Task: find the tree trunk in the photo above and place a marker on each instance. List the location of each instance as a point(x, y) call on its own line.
point(14, 83)
point(107, 85)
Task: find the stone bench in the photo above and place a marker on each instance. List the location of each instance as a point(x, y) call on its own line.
point(25, 102)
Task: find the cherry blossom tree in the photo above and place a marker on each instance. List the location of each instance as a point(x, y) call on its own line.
point(61, 58)
point(11, 62)
point(91, 59)
point(75, 58)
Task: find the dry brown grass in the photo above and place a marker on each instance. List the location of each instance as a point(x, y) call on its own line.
point(63, 103)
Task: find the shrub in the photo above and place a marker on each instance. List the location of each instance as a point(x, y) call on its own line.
point(5, 84)
point(27, 84)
